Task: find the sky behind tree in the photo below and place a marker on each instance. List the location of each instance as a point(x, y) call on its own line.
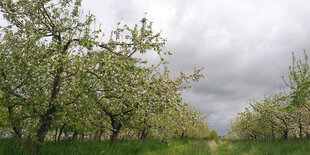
point(244, 46)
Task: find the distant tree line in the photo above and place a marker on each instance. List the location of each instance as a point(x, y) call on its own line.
point(281, 115)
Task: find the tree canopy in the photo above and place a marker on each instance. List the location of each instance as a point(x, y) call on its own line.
point(281, 115)
point(58, 79)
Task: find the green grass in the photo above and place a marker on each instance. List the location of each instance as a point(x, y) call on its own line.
point(188, 148)
point(69, 147)
point(154, 147)
point(264, 147)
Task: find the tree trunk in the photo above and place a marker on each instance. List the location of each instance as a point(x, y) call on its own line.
point(66, 135)
point(116, 128)
point(55, 137)
point(144, 133)
point(41, 133)
point(45, 126)
point(17, 132)
point(139, 134)
point(182, 135)
point(61, 130)
point(100, 134)
point(75, 134)
point(15, 123)
point(47, 118)
point(144, 136)
point(272, 132)
point(97, 135)
point(114, 138)
point(82, 136)
point(300, 130)
point(285, 134)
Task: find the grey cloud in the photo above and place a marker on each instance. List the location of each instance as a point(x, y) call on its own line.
point(245, 50)
point(244, 46)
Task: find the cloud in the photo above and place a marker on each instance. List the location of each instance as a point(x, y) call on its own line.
point(245, 50)
point(244, 46)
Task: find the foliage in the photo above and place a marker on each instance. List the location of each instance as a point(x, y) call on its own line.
point(279, 115)
point(214, 135)
point(59, 80)
point(299, 81)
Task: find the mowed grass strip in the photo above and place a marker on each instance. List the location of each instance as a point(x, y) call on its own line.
point(262, 147)
point(194, 147)
point(123, 147)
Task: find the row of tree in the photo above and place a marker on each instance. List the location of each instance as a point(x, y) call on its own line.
point(281, 115)
point(59, 79)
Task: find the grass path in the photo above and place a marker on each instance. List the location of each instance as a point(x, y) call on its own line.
point(248, 147)
point(262, 147)
point(201, 147)
point(212, 145)
point(176, 147)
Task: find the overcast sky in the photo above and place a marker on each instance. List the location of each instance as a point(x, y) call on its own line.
point(244, 45)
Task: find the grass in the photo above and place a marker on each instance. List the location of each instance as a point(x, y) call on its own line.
point(154, 147)
point(264, 147)
point(190, 148)
point(69, 147)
